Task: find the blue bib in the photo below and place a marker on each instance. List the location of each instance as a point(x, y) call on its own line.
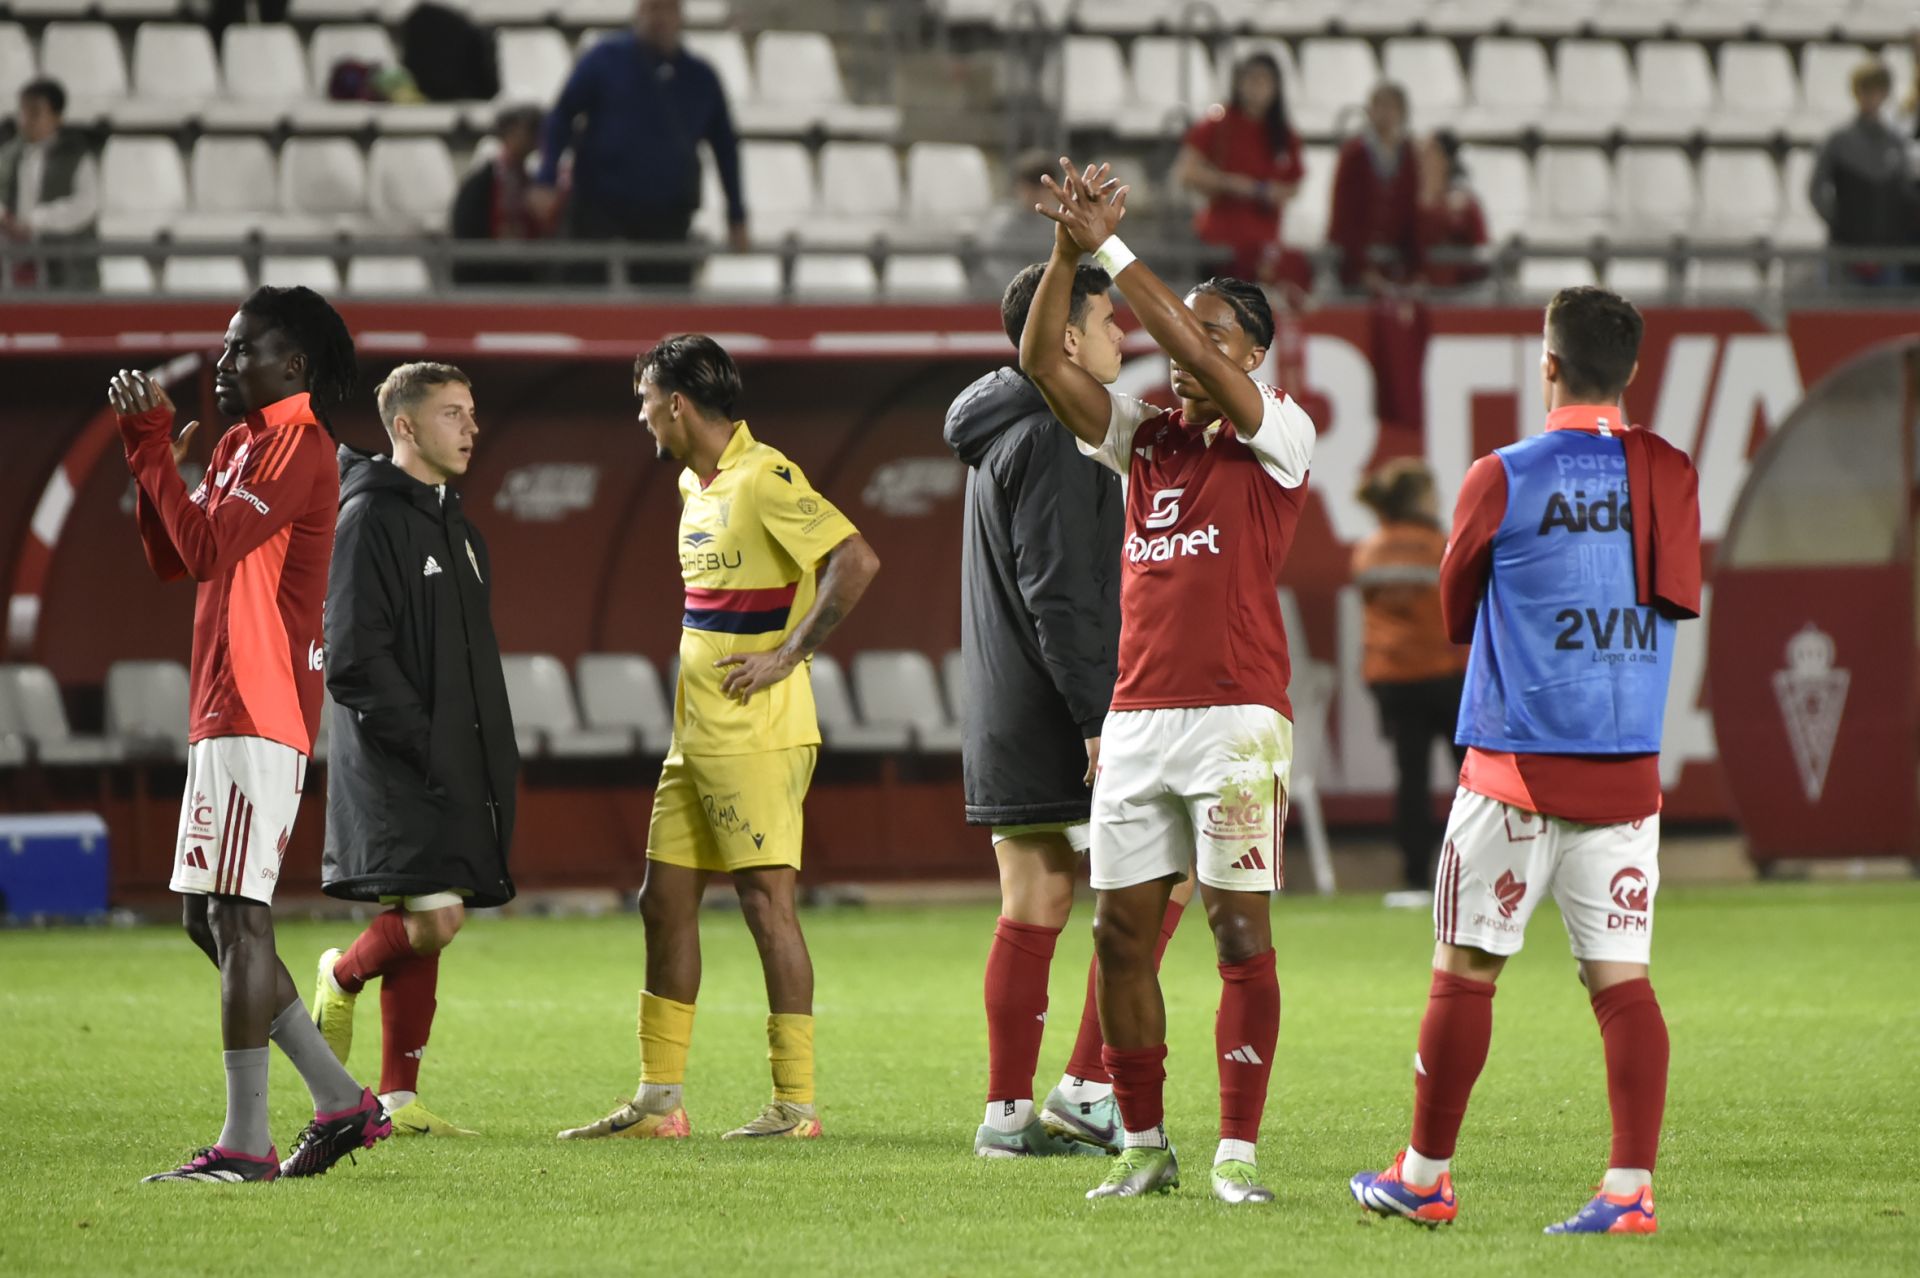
point(1564, 660)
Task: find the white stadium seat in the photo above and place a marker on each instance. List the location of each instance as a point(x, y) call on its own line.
point(750, 277)
point(1547, 275)
point(1126, 17)
point(41, 716)
point(779, 186)
point(235, 187)
point(1639, 278)
point(143, 185)
point(545, 719)
point(147, 708)
point(1335, 76)
point(1722, 277)
point(85, 57)
point(834, 277)
point(923, 277)
point(798, 76)
point(205, 276)
point(1553, 17)
point(1094, 91)
point(1174, 82)
point(622, 692)
point(840, 727)
point(1718, 18)
point(322, 177)
point(1826, 92)
point(860, 194)
point(17, 63)
point(264, 69)
point(1799, 226)
point(304, 271)
point(949, 188)
point(534, 64)
point(1633, 17)
point(1503, 179)
point(1673, 89)
point(175, 74)
point(1304, 223)
point(1759, 92)
point(1572, 194)
point(126, 276)
point(1429, 69)
point(1469, 17)
point(901, 689)
point(1593, 88)
point(383, 276)
point(953, 680)
point(1656, 192)
point(410, 184)
point(1512, 86)
point(1739, 194)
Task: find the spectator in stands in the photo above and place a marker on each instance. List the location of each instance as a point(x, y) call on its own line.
point(1863, 181)
point(647, 103)
point(49, 190)
point(1415, 673)
point(1011, 238)
point(1450, 212)
point(1375, 218)
point(1244, 157)
point(494, 202)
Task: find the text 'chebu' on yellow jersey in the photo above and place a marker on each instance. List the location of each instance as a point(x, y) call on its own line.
point(750, 540)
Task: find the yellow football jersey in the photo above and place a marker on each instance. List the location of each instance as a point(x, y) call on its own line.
point(750, 541)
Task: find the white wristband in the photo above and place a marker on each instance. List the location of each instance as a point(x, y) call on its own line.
point(1114, 256)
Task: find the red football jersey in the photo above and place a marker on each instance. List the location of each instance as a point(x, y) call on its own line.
point(1209, 519)
point(257, 534)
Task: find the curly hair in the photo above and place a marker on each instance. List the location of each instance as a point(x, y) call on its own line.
point(316, 331)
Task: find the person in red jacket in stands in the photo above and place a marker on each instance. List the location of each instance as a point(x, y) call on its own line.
point(1376, 198)
point(1450, 212)
point(1244, 157)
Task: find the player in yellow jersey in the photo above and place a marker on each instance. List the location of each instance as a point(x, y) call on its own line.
point(753, 536)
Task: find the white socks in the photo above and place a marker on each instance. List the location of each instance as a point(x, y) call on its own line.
point(1155, 1138)
point(1418, 1169)
point(1234, 1151)
point(1621, 1181)
point(1009, 1115)
point(394, 1100)
point(1081, 1092)
point(657, 1098)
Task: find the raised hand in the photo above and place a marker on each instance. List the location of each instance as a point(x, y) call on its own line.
point(1090, 203)
point(133, 394)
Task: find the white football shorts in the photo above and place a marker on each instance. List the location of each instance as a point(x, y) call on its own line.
point(1500, 861)
point(1079, 833)
point(242, 796)
point(1200, 786)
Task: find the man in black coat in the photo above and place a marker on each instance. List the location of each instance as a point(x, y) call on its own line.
point(1040, 630)
point(422, 760)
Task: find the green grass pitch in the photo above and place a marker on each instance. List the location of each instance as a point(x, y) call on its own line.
point(1792, 1141)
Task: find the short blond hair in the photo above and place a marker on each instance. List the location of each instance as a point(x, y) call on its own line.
point(1872, 74)
point(408, 384)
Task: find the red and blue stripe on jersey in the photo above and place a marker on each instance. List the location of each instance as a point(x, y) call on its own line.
point(739, 612)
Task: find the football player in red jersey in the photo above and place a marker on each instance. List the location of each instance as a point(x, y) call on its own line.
point(1196, 749)
point(256, 536)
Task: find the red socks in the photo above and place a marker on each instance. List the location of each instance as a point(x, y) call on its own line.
point(1017, 967)
point(1635, 1036)
point(1139, 1082)
point(374, 952)
point(1454, 1036)
point(407, 985)
point(406, 1018)
point(1246, 1031)
point(1085, 1061)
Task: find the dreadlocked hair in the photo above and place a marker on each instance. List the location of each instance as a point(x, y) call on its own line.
point(1249, 303)
point(316, 331)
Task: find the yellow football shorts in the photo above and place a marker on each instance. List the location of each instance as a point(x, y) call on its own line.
point(727, 812)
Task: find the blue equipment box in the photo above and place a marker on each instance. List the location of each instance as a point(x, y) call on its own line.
point(53, 865)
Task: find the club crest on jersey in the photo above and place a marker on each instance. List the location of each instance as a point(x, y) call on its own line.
point(1166, 508)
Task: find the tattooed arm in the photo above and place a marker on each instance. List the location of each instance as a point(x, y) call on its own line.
point(850, 569)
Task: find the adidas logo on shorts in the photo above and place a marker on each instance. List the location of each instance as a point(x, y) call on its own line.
point(1251, 861)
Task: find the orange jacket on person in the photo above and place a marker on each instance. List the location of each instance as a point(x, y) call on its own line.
point(1397, 567)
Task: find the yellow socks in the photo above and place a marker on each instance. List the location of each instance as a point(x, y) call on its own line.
point(666, 1027)
point(790, 1049)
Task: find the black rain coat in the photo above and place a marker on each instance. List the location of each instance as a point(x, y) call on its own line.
point(421, 758)
point(1040, 603)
